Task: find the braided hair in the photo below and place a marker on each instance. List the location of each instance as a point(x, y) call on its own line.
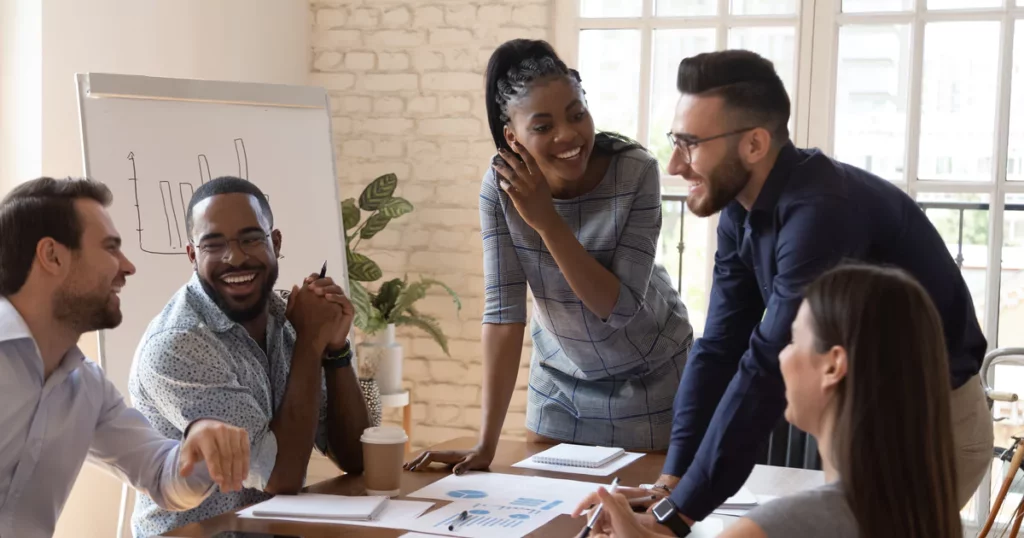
point(511, 72)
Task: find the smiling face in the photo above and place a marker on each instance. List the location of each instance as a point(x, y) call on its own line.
point(716, 173)
point(553, 123)
point(811, 375)
point(87, 299)
point(235, 260)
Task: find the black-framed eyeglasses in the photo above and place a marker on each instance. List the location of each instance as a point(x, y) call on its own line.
point(686, 143)
point(249, 243)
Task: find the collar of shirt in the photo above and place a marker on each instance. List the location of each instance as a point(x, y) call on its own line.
point(773, 186)
point(216, 319)
point(13, 329)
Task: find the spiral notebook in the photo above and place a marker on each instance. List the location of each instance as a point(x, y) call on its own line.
point(578, 456)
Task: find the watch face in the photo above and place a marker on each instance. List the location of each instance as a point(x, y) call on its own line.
point(663, 510)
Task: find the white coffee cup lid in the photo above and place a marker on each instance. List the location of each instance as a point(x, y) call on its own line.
point(384, 435)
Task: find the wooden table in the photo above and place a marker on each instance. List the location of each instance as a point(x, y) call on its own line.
point(763, 481)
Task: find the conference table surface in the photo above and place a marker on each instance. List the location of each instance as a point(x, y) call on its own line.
point(765, 480)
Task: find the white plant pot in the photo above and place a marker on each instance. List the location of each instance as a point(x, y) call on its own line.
point(382, 349)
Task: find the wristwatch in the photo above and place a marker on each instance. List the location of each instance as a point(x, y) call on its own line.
point(338, 359)
point(666, 514)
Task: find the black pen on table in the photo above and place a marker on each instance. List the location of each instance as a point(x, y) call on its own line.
point(597, 513)
point(462, 517)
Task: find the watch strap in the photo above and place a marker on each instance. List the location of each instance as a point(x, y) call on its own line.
point(673, 521)
point(338, 359)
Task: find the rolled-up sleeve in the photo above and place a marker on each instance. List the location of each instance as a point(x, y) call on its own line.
point(633, 261)
point(186, 380)
point(504, 279)
point(125, 443)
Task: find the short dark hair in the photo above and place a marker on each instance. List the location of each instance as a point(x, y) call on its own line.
point(227, 185)
point(37, 209)
point(746, 82)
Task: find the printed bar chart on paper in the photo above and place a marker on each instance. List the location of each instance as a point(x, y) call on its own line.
point(484, 520)
point(530, 492)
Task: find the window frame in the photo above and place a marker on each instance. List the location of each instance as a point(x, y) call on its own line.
point(817, 46)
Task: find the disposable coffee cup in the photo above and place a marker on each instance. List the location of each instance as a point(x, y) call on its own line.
point(383, 455)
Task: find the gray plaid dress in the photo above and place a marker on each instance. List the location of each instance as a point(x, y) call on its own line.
point(593, 381)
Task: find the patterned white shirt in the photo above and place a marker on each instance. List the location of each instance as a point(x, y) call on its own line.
point(194, 362)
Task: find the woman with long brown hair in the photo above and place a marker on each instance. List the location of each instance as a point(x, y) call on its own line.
point(866, 375)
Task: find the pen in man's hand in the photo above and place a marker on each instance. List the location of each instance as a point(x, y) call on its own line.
point(597, 513)
point(462, 517)
point(323, 270)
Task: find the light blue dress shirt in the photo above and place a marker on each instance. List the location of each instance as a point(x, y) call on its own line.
point(48, 427)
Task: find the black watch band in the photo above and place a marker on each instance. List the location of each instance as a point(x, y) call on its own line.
point(666, 514)
point(338, 359)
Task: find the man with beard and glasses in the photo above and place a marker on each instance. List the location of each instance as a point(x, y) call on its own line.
point(226, 346)
point(788, 215)
point(61, 269)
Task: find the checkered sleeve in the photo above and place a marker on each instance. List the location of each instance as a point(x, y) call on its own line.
point(633, 261)
point(504, 279)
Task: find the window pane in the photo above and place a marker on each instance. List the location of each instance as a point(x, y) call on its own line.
point(685, 8)
point(764, 7)
point(777, 43)
point(865, 6)
point(670, 47)
point(958, 100)
point(970, 252)
point(963, 4)
point(871, 97)
point(1015, 156)
point(1009, 377)
point(611, 77)
point(688, 272)
point(611, 8)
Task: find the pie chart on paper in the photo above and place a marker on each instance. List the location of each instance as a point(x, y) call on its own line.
point(467, 494)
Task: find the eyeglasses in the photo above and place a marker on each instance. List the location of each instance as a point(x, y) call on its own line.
point(686, 143)
point(249, 243)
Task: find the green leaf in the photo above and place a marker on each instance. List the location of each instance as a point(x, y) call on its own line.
point(350, 214)
point(418, 290)
point(387, 295)
point(375, 323)
point(428, 325)
point(374, 224)
point(362, 268)
point(360, 303)
point(378, 192)
point(396, 207)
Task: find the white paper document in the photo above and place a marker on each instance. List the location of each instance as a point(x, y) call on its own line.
point(709, 528)
point(544, 494)
point(604, 470)
point(396, 515)
point(740, 511)
point(320, 506)
point(483, 520)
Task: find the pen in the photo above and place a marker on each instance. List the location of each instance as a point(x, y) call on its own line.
point(323, 270)
point(597, 513)
point(462, 517)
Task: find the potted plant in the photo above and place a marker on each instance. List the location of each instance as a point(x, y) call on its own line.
point(377, 313)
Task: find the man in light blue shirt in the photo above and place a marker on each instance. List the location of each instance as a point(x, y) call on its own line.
point(61, 268)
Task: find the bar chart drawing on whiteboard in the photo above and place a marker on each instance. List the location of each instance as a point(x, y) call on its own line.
point(161, 209)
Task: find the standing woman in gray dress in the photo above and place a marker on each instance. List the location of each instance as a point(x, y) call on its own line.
point(575, 215)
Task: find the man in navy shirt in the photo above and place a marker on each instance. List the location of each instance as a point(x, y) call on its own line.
point(788, 215)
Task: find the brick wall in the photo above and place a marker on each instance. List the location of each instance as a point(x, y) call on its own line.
point(406, 85)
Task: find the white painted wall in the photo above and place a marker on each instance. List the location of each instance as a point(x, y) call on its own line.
point(43, 43)
point(20, 90)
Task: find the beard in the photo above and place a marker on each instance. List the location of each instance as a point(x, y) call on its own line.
point(721, 186)
point(86, 312)
point(243, 315)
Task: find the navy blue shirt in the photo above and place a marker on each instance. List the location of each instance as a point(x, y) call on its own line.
point(812, 213)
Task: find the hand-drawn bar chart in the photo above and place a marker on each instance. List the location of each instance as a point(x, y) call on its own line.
point(162, 229)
